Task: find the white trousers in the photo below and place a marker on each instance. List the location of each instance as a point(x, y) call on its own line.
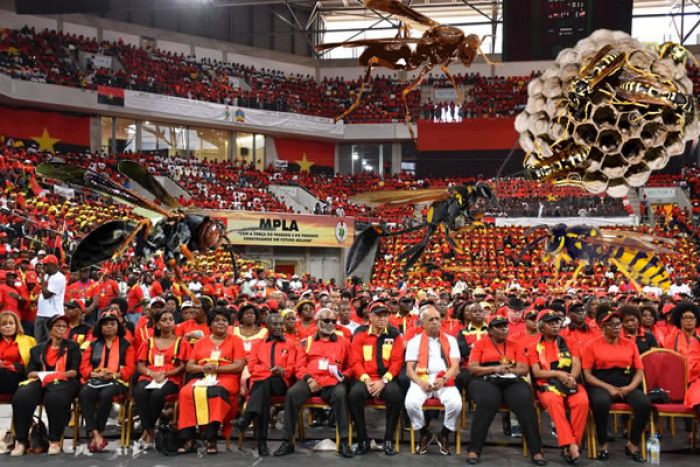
point(448, 396)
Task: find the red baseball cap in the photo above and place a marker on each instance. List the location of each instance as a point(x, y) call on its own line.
point(50, 259)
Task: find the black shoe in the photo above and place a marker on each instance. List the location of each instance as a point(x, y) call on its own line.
point(285, 448)
point(263, 450)
point(345, 450)
point(540, 462)
point(362, 447)
point(603, 455)
point(472, 460)
point(636, 456)
point(425, 438)
point(389, 448)
point(331, 420)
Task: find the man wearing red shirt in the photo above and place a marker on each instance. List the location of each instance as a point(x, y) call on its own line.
point(101, 295)
point(79, 289)
point(375, 375)
point(135, 298)
point(323, 363)
point(13, 295)
point(578, 330)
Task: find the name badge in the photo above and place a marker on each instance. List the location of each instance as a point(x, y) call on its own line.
point(247, 346)
point(215, 355)
point(158, 360)
point(323, 364)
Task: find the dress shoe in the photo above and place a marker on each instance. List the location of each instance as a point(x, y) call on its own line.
point(345, 450)
point(389, 448)
point(263, 450)
point(636, 456)
point(443, 441)
point(425, 438)
point(285, 448)
point(362, 447)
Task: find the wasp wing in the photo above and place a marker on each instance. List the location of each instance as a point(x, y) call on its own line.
point(102, 243)
point(648, 238)
point(140, 175)
point(398, 197)
point(97, 182)
point(403, 12)
point(369, 42)
point(621, 239)
point(593, 61)
point(642, 98)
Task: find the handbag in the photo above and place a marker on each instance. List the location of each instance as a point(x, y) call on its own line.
point(658, 396)
point(38, 437)
point(167, 442)
point(96, 383)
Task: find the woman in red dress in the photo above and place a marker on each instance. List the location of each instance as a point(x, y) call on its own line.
point(161, 359)
point(211, 399)
point(556, 365)
point(684, 317)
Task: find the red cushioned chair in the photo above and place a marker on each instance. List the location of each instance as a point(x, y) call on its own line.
point(667, 370)
point(318, 403)
point(434, 404)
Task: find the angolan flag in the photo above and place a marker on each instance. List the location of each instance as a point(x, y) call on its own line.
point(110, 96)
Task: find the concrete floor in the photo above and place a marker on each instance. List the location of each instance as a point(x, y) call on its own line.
point(499, 451)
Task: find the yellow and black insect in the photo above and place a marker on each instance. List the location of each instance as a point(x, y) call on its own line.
point(634, 254)
point(606, 63)
point(568, 157)
point(675, 52)
point(645, 93)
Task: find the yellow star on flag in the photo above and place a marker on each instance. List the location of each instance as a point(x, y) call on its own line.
point(552, 197)
point(304, 164)
point(45, 141)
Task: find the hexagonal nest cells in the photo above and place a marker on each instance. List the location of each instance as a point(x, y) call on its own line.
point(608, 113)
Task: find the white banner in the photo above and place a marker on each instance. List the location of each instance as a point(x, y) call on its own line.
point(593, 221)
point(660, 192)
point(240, 116)
point(281, 164)
point(64, 191)
point(444, 94)
point(100, 61)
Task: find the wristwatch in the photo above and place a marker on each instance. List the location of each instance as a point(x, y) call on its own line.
point(385, 380)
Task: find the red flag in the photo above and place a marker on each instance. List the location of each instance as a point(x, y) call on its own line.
point(306, 154)
point(34, 185)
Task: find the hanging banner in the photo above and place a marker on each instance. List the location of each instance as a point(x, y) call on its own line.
point(468, 135)
point(286, 229)
point(592, 221)
point(444, 94)
point(241, 116)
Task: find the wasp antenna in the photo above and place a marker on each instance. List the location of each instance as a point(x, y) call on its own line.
point(486, 59)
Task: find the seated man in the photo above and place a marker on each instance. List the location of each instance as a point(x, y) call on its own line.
point(375, 375)
point(271, 369)
point(432, 362)
point(323, 360)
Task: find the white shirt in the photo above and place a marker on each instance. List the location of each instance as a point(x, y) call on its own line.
point(679, 289)
point(351, 326)
point(435, 362)
point(49, 307)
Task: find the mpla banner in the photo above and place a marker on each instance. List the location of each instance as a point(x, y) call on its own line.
point(285, 229)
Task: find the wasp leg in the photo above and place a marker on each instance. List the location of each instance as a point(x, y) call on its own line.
point(451, 242)
point(577, 271)
point(460, 96)
point(407, 90)
point(372, 61)
point(623, 269)
point(412, 254)
point(143, 225)
point(365, 242)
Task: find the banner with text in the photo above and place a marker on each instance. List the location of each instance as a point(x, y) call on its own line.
point(241, 116)
point(286, 229)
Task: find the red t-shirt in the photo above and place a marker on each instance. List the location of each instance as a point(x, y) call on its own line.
point(166, 360)
point(485, 351)
point(599, 354)
point(134, 298)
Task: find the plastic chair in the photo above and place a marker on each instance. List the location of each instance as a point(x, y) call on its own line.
point(667, 370)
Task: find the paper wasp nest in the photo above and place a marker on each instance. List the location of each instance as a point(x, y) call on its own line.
point(607, 114)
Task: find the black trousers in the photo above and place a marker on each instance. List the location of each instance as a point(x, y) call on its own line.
point(259, 402)
point(57, 402)
point(150, 402)
point(463, 379)
point(488, 398)
point(9, 380)
point(392, 397)
point(601, 401)
point(208, 432)
point(95, 405)
point(336, 396)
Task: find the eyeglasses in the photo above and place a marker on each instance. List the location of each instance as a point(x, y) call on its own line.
point(327, 320)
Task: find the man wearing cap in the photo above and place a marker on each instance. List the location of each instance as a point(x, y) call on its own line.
point(78, 331)
point(432, 363)
point(376, 358)
point(404, 319)
point(271, 366)
point(13, 295)
point(322, 366)
point(195, 328)
point(53, 288)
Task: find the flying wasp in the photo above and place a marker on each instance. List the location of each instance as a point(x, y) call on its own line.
point(675, 52)
point(634, 254)
point(447, 205)
point(439, 46)
point(176, 231)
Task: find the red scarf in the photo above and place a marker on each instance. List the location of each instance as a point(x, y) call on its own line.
point(422, 365)
point(113, 363)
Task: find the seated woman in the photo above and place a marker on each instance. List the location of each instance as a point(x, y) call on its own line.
point(107, 366)
point(161, 360)
point(684, 316)
point(60, 357)
point(556, 366)
point(633, 331)
point(249, 329)
point(498, 365)
point(613, 371)
point(692, 395)
point(211, 399)
point(14, 352)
